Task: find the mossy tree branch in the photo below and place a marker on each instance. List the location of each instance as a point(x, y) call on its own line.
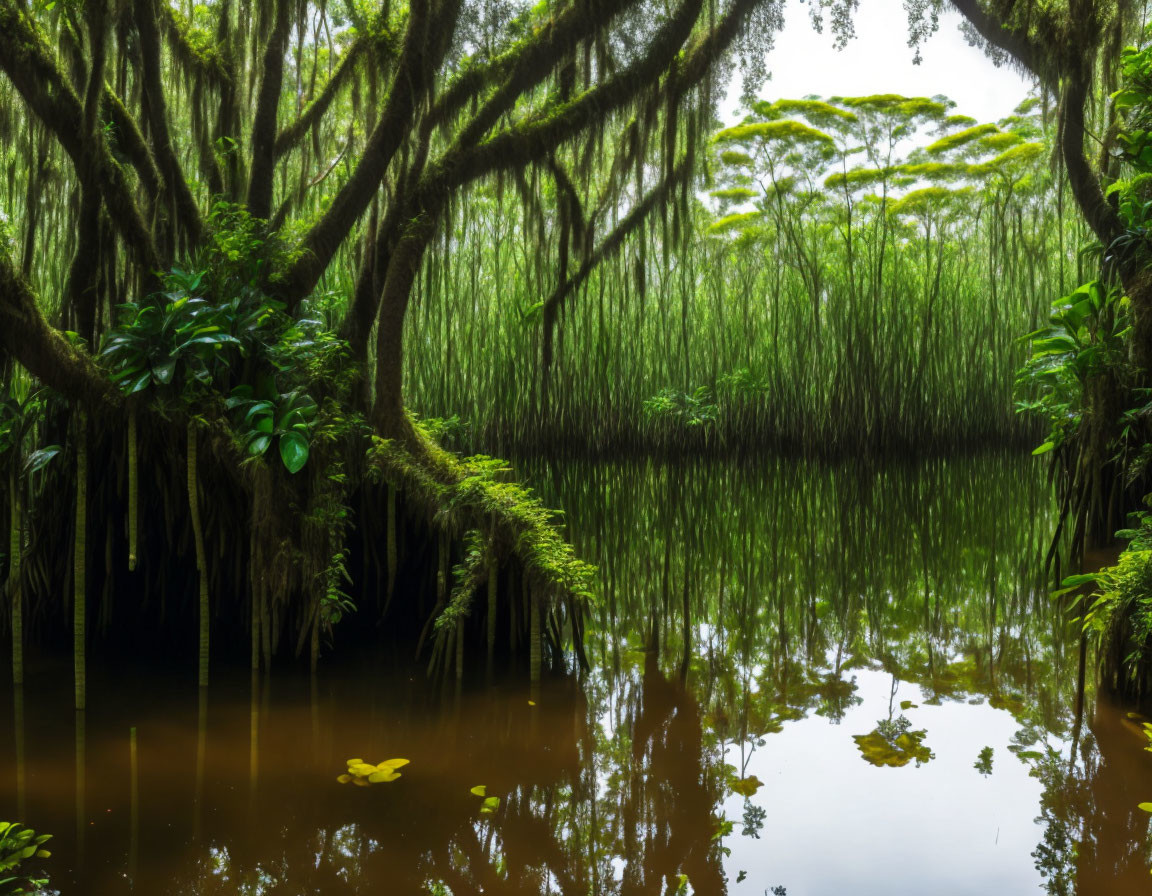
point(314, 112)
point(610, 245)
point(27, 61)
point(426, 40)
point(156, 107)
point(264, 124)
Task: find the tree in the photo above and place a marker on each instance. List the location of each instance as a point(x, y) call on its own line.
point(280, 146)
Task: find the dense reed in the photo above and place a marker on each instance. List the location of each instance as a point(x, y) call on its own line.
point(879, 313)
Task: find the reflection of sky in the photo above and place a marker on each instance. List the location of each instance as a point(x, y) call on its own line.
point(837, 825)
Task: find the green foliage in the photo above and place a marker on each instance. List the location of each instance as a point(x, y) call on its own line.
point(177, 339)
point(983, 763)
point(1132, 193)
point(19, 844)
point(20, 419)
point(681, 409)
point(960, 138)
point(893, 744)
point(211, 326)
point(772, 130)
point(1119, 615)
point(285, 419)
point(463, 494)
point(1086, 336)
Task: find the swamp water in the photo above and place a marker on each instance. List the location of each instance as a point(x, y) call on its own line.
point(878, 698)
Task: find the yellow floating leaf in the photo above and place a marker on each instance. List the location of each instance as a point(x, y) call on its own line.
point(352, 762)
point(361, 782)
point(362, 769)
point(479, 790)
point(531, 702)
point(392, 763)
point(344, 779)
point(385, 775)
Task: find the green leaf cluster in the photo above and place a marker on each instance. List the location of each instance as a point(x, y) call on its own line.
point(18, 844)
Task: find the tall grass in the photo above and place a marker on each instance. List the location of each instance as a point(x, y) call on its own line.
point(826, 319)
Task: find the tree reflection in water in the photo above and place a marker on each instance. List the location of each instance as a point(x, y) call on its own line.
point(735, 602)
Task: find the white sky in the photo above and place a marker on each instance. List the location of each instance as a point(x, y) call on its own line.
point(879, 60)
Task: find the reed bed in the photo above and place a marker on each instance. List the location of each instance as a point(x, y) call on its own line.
point(843, 321)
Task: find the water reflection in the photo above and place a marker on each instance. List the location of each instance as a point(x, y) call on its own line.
point(805, 679)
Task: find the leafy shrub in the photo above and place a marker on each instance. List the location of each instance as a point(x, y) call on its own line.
point(18, 844)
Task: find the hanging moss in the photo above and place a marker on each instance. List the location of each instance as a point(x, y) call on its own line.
point(457, 494)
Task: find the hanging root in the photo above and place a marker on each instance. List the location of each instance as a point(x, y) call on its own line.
point(464, 497)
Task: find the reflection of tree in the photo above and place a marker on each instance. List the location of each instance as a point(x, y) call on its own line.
point(984, 761)
point(670, 796)
point(892, 743)
point(1095, 838)
point(623, 809)
point(799, 576)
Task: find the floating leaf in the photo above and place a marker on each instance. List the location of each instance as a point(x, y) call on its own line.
point(1147, 807)
point(492, 803)
point(907, 704)
point(392, 763)
point(385, 775)
point(479, 790)
point(361, 782)
point(343, 779)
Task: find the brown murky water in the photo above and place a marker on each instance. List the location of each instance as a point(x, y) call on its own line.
point(871, 693)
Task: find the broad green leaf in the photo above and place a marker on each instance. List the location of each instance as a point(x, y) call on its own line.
point(293, 451)
point(259, 443)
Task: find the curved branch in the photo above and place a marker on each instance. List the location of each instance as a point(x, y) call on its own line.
point(264, 124)
point(531, 141)
point(1016, 42)
point(157, 111)
point(607, 248)
point(1049, 63)
point(291, 136)
point(43, 350)
point(536, 59)
point(1104, 220)
point(30, 66)
point(130, 141)
point(199, 57)
point(426, 40)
